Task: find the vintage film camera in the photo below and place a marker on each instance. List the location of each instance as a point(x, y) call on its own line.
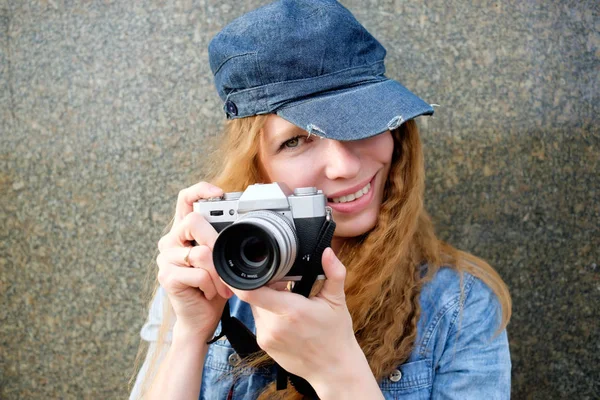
point(266, 233)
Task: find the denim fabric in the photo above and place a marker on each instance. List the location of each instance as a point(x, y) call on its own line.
point(315, 65)
point(456, 354)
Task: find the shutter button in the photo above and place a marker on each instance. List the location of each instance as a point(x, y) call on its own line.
point(396, 375)
point(234, 359)
point(231, 107)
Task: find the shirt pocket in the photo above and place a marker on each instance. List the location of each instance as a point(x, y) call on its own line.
point(411, 380)
point(220, 377)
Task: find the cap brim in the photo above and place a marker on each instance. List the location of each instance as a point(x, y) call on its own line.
point(358, 112)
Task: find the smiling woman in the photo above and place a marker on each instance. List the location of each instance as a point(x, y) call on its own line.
point(401, 313)
point(352, 174)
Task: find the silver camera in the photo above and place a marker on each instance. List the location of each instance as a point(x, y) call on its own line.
point(266, 232)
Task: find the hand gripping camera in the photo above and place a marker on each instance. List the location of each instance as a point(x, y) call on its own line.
point(266, 233)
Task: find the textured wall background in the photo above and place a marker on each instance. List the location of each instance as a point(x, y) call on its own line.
point(105, 112)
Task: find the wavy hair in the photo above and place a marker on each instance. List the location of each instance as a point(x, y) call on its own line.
point(382, 264)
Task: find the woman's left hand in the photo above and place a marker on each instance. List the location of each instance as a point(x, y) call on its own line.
point(309, 337)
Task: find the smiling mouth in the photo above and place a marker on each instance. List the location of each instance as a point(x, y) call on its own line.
point(353, 196)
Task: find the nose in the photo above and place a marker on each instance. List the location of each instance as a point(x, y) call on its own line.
point(341, 160)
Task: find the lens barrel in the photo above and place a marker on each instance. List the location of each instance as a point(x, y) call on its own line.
point(257, 248)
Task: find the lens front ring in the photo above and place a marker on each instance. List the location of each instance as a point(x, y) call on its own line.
point(274, 231)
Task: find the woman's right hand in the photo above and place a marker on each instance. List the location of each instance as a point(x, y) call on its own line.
point(195, 290)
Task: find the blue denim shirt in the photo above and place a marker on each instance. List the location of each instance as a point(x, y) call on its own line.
point(456, 354)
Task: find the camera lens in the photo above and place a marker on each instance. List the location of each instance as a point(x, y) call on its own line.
point(258, 247)
point(246, 252)
point(254, 252)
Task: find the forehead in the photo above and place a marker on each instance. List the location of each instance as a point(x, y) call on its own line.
point(275, 126)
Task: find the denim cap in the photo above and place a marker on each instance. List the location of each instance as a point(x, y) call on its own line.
point(313, 64)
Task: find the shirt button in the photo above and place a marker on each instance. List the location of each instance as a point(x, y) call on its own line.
point(231, 107)
point(396, 375)
point(234, 359)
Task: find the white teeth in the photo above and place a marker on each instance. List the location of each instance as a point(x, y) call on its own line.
point(354, 196)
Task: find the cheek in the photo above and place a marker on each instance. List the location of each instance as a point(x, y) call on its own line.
point(385, 148)
point(292, 171)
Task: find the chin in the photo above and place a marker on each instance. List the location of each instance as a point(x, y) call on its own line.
point(355, 226)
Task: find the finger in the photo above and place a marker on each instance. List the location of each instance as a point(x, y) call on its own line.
point(335, 272)
point(256, 315)
point(187, 197)
point(193, 227)
point(177, 255)
point(279, 286)
point(201, 257)
point(277, 302)
point(175, 279)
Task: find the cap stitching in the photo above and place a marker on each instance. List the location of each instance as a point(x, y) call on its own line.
point(315, 11)
point(304, 79)
point(329, 74)
point(233, 56)
point(318, 98)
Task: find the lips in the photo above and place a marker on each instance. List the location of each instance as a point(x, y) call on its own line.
point(352, 196)
point(356, 205)
point(351, 190)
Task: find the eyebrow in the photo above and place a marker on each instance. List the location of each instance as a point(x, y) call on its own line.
point(286, 132)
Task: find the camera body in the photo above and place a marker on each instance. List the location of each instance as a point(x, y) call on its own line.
point(266, 233)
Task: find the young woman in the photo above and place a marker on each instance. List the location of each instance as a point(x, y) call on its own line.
point(401, 313)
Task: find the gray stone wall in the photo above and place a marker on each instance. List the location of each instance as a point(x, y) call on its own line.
point(107, 109)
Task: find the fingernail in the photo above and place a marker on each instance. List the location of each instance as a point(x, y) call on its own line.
point(331, 253)
point(215, 190)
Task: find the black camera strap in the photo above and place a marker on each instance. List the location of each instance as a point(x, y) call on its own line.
point(243, 340)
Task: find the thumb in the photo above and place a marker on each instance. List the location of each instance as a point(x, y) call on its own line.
point(335, 272)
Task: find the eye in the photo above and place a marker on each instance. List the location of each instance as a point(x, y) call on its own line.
point(293, 143)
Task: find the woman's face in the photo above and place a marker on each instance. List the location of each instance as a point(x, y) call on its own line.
point(352, 174)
